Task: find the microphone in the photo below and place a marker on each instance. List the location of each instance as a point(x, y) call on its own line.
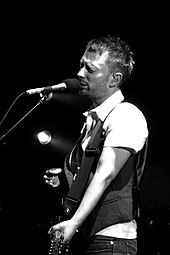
point(71, 85)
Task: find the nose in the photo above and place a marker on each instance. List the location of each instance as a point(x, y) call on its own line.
point(81, 72)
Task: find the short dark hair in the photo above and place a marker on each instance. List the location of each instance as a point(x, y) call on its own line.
point(120, 55)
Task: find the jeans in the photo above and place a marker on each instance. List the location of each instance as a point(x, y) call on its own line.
point(103, 245)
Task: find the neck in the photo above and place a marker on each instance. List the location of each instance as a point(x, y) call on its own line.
point(99, 101)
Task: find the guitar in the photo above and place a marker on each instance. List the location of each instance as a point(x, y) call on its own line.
point(57, 247)
point(56, 237)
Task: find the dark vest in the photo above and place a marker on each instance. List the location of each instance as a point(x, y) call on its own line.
point(119, 202)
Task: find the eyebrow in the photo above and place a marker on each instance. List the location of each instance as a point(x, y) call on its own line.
point(88, 63)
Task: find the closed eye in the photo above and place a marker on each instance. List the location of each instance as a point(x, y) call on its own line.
point(89, 69)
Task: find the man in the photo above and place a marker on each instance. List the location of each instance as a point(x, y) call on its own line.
point(105, 214)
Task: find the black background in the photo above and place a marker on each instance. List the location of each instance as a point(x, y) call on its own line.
point(40, 46)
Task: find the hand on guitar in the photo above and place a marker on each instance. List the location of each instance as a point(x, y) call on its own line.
point(52, 177)
point(68, 228)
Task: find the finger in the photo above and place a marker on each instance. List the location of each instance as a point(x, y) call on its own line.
point(50, 231)
point(54, 171)
point(48, 178)
point(53, 230)
point(49, 182)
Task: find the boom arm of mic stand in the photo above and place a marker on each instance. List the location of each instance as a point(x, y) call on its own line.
point(43, 98)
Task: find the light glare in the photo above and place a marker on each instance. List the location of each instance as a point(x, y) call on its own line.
point(44, 137)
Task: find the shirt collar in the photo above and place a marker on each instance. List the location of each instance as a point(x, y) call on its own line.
point(110, 103)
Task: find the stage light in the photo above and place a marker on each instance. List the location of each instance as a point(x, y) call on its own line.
point(44, 137)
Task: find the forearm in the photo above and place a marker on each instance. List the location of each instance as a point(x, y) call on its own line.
point(91, 197)
point(110, 163)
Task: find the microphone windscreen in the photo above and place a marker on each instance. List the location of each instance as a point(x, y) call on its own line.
point(72, 84)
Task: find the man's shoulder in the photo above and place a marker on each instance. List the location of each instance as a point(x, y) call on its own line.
point(128, 108)
point(127, 113)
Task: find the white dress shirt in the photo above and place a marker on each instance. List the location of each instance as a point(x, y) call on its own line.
point(126, 127)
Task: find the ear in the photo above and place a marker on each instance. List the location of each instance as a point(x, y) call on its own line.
point(115, 79)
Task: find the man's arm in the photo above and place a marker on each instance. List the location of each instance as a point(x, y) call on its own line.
point(110, 163)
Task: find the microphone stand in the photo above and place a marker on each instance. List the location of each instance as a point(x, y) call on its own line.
point(43, 98)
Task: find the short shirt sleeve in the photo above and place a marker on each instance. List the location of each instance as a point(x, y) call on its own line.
point(126, 127)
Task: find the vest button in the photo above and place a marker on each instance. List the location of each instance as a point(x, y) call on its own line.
point(74, 177)
point(67, 211)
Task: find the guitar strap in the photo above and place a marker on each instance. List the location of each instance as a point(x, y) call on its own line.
point(74, 195)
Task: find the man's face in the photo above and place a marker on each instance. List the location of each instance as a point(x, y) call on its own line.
point(94, 76)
